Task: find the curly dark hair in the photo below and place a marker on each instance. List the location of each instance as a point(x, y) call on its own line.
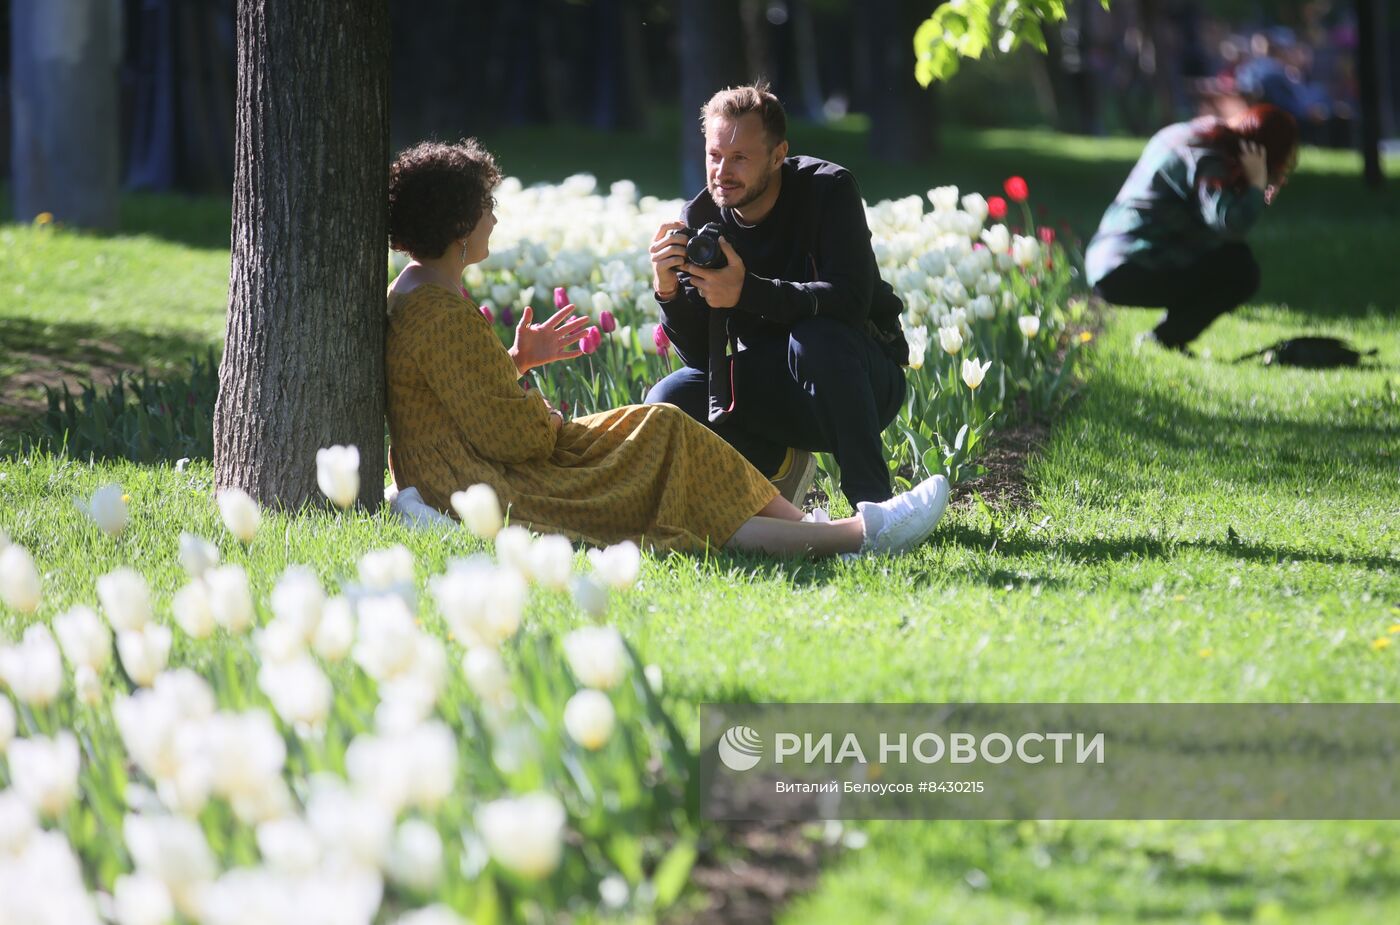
point(437, 194)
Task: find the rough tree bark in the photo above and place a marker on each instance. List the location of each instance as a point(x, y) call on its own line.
point(1368, 75)
point(708, 34)
point(903, 116)
point(303, 364)
point(64, 138)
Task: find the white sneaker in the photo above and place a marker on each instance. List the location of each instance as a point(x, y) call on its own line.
point(900, 524)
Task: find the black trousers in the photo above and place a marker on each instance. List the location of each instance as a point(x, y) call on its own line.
point(1193, 296)
point(825, 387)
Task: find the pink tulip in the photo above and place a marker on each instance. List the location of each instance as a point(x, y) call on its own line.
point(561, 298)
point(591, 339)
point(662, 342)
point(607, 322)
point(487, 313)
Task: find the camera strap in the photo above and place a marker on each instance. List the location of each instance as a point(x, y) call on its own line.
point(721, 367)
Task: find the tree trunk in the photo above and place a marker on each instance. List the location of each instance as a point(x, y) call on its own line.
point(1368, 77)
point(303, 365)
point(65, 136)
point(903, 115)
point(709, 61)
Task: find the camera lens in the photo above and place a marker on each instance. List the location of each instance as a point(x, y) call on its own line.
point(701, 250)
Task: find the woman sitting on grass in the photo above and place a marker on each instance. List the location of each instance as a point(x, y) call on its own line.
point(1174, 236)
point(458, 415)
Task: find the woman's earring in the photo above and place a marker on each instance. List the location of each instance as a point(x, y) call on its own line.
point(465, 242)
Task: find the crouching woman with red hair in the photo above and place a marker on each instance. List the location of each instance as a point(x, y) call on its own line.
point(1174, 236)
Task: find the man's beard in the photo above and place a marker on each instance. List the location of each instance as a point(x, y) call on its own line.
point(753, 193)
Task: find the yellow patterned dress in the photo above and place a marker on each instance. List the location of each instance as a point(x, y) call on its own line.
point(458, 416)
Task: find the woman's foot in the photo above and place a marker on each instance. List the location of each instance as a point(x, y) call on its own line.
point(900, 524)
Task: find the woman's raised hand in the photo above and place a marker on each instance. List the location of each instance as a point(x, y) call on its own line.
point(538, 344)
point(1254, 161)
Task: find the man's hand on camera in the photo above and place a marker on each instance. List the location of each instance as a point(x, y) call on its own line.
point(667, 255)
point(719, 288)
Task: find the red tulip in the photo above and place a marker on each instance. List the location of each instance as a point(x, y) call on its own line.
point(996, 208)
point(1016, 189)
point(1046, 234)
point(607, 322)
point(561, 298)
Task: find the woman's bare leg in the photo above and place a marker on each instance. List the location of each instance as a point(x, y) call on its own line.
point(781, 508)
point(781, 536)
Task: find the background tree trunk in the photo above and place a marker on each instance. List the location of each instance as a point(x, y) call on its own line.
point(708, 36)
point(1368, 77)
point(903, 115)
point(65, 137)
point(303, 365)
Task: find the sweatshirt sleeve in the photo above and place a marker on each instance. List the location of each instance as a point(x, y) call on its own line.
point(471, 373)
point(842, 267)
point(1229, 211)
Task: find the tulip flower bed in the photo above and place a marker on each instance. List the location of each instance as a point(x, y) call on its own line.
point(302, 756)
point(987, 318)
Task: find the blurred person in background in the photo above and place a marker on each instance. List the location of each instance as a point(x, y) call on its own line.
point(1174, 236)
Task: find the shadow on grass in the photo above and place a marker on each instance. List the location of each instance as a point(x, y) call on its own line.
point(1143, 547)
point(36, 354)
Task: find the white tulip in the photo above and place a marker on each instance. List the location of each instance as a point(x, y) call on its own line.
point(388, 637)
point(552, 561)
point(126, 599)
point(617, 566)
point(415, 859)
point(950, 339)
point(297, 600)
point(289, 846)
point(246, 754)
point(414, 767)
point(591, 597)
point(431, 915)
point(589, 718)
point(1025, 251)
point(513, 546)
point(982, 307)
point(144, 652)
point(7, 723)
point(976, 206)
point(486, 675)
point(107, 507)
point(197, 554)
point(481, 603)
point(934, 263)
point(141, 899)
point(356, 827)
point(944, 198)
point(596, 656)
point(33, 669)
point(973, 372)
point(44, 771)
point(479, 510)
point(335, 632)
point(300, 692)
point(1029, 325)
point(192, 611)
point(998, 239)
point(229, 598)
point(387, 569)
point(87, 685)
point(173, 850)
point(917, 338)
point(654, 678)
point(42, 884)
point(84, 637)
point(338, 474)
point(524, 834)
point(240, 513)
point(955, 293)
point(17, 822)
point(19, 579)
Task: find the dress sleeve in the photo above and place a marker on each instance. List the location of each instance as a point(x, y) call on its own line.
point(471, 373)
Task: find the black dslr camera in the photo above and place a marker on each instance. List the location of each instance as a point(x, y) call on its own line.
point(703, 248)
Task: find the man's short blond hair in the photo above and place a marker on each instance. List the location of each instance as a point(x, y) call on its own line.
point(736, 102)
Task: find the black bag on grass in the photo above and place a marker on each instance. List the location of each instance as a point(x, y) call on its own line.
point(1309, 353)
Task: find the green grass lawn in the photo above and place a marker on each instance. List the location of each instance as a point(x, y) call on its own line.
point(1199, 531)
